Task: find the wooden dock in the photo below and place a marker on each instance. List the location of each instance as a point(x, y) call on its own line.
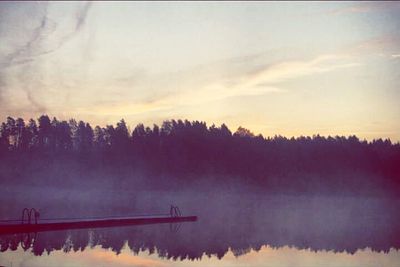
point(97, 223)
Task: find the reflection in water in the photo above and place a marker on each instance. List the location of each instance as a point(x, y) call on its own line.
point(288, 230)
point(266, 256)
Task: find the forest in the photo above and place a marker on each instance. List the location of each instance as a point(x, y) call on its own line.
point(182, 152)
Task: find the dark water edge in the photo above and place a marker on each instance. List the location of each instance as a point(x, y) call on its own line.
point(228, 220)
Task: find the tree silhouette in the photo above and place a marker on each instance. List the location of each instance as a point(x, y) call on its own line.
point(44, 132)
point(185, 151)
point(99, 138)
point(243, 132)
point(4, 141)
point(32, 134)
point(121, 136)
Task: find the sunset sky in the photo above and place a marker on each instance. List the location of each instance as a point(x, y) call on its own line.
point(274, 67)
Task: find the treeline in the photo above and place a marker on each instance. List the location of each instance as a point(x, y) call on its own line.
point(188, 149)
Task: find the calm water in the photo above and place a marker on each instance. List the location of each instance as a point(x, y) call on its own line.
point(232, 230)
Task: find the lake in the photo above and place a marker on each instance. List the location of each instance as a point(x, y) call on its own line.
point(233, 229)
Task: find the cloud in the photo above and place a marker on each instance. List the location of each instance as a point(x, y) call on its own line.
point(199, 87)
point(296, 69)
point(264, 79)
point(33, 46)
point(37, 104)
point(123, 108)
point(365, 7)
point(80, 20)
point(267, 78)
point(387, 44)
point(39, 42)
point(23, 53)
point(81, 16)
point(396, 56)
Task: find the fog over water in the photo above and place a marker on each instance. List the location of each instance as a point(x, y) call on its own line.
point(231, 222)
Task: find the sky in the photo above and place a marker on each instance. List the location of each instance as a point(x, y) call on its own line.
point(276, 68)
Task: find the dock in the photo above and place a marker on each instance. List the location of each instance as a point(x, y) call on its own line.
point(60, 224)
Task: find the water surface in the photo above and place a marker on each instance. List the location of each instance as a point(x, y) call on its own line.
point(234, 229)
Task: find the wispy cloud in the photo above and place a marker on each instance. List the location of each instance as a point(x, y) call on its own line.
point(384, 46)
point(366, 7)
point(35, 45)
point(80, 20)
point(295, 69)
point(123, 108)
point(248, 79)
point(29, 49)
point(264, 80)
